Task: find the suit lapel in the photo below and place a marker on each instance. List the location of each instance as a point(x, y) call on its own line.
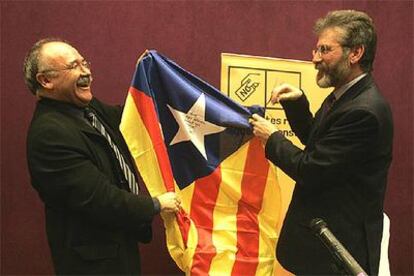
point(86, 128)
point(320, 125)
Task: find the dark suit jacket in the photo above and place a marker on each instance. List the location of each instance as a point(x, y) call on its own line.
point(93, 222)
point(340, 177)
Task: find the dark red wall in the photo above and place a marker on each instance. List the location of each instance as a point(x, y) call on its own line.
point(113, 34)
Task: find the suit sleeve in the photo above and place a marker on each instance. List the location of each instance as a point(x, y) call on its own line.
point(67, 178)
point(347, 142)
point(299, 116)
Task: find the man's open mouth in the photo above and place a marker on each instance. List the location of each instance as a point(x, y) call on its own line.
point(84, 81)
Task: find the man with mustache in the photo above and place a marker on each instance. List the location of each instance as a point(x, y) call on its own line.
point(95, 215)
point(341, 174)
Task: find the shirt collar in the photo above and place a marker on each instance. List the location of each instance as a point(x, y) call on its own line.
point(341, 90)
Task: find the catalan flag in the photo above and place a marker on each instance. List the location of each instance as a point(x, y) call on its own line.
point(187, 137)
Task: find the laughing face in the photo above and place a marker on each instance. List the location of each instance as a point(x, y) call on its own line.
point(67, 76)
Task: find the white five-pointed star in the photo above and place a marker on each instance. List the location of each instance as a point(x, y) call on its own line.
point(193, 126)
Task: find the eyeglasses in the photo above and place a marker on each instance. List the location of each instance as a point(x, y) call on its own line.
point(76, 65)
point(322, 50)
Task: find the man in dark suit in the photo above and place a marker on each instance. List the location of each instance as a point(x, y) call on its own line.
point(94, 214)
point(341, 174)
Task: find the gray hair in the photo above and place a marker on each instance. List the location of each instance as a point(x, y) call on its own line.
point(358, 30)
point(31, 63)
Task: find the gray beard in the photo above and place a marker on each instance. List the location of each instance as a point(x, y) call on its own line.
point(325, 81)
point(335, 75)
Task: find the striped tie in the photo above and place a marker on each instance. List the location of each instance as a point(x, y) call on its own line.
point(129, 176)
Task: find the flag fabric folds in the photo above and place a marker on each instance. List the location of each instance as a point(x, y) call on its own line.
point(186, 136)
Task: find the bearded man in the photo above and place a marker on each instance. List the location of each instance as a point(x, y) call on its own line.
point(341, 174)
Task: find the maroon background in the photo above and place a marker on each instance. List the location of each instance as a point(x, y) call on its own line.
point(194, 34)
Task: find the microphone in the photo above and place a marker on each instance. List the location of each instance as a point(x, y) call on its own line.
point(344, 258)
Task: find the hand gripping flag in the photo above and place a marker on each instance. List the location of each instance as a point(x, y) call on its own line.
point(187, 137)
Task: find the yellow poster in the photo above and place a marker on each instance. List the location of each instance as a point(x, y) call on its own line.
point(249, 80)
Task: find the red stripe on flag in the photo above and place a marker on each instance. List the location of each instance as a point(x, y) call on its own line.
point(202, 207)
point(146, 110)
point(252, 189)
point(184, 223)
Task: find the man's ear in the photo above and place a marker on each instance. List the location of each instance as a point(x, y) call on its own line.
point(44, 81)
point(356, 54)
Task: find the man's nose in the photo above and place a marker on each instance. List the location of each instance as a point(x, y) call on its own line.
point(85, 69)
point(316, 58)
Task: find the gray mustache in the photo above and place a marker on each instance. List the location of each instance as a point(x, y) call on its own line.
point(84, 80)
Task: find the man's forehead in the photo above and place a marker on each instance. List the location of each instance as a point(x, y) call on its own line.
point(59, 50)
point(330, 35)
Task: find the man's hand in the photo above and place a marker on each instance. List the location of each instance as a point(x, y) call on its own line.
point(262, 128)
point(285, 92)
point(169, 202)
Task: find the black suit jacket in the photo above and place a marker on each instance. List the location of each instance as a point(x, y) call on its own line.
point(93, 222)
point(340, 177)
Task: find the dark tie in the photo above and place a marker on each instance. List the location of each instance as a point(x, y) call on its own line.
point(129, 176)
point(327, 105)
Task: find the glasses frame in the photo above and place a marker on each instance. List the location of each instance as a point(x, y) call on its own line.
point(76, 65)
point(324, 49)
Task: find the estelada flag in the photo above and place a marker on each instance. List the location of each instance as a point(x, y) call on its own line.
point(187, 137)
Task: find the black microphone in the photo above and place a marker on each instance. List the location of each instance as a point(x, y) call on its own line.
point(344, 258)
